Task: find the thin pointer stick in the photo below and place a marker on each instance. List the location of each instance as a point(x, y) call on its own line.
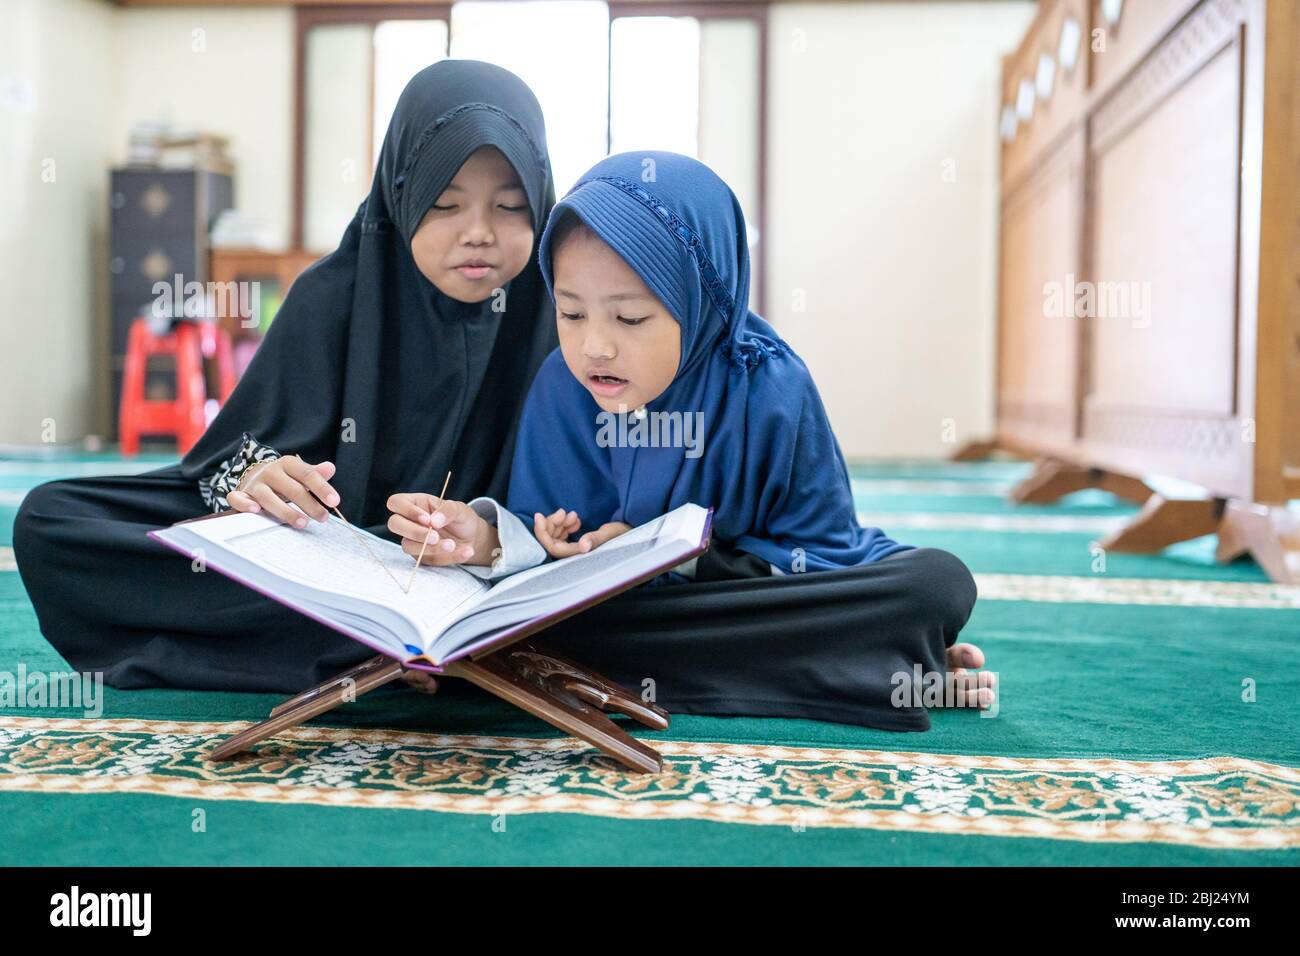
point(361, 538)
point(427, 534)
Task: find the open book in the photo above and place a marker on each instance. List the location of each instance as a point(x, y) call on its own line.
point(351, 583)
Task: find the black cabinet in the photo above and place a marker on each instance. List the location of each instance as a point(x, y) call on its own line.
point(159, 225)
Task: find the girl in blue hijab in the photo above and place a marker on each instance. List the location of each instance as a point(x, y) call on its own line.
point(667, 389)
point(747, 431)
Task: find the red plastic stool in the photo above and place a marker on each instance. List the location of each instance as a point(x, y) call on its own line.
point(189, 343)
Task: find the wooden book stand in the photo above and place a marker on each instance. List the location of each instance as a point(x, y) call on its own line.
point(559, 691)
point(548, 686)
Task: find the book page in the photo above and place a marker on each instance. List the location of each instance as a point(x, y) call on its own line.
point(570, 574)
point(330, 557)
point(557, 575)
point(573, 581)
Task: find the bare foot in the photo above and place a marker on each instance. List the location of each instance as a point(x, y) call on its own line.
point(421, 681)
point(974, 688)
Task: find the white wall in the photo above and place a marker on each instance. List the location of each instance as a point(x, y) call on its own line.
point(894, 267)
point(336, 148)
point(75, 76)
point(222, 70)
point(56, 81)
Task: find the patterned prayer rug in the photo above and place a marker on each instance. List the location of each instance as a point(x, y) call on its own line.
point(1148, 716)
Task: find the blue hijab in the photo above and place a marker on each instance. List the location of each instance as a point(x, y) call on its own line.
point(770, 465)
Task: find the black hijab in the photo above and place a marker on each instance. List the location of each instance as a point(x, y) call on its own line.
point(367, 364)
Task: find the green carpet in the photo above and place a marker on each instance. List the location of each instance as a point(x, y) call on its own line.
point(1148, 716)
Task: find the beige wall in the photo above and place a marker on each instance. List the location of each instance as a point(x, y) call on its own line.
point(881, 273)
point(729, 68)
point(75, 76)
point(56, 82)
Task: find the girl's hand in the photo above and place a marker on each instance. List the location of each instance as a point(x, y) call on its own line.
point(553, 532)
point(276, 483)
point(457, 535)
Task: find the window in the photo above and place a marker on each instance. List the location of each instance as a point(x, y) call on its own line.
point(401, 48)
point(611, 77)
point(654, 84)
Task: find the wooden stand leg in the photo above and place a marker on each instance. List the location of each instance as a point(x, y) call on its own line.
point(349, 675)
point(1053, 479)
point(541, 697)
point(309, 705)
point(546, 685)
point(974, 451)
point(1271, 535)
point(1164, 521)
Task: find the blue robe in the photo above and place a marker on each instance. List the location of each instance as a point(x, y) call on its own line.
point(769, 464)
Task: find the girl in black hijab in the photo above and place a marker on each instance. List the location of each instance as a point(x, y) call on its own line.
point(402, 360)
point(392, 360)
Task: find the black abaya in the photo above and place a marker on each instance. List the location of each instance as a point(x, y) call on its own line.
point(822, 645)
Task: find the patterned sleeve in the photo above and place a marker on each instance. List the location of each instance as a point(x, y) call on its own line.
point(225, 479)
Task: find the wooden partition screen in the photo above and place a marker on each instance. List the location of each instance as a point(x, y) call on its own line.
point(1149, 287)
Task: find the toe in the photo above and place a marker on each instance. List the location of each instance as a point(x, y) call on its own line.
point(965, 655)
